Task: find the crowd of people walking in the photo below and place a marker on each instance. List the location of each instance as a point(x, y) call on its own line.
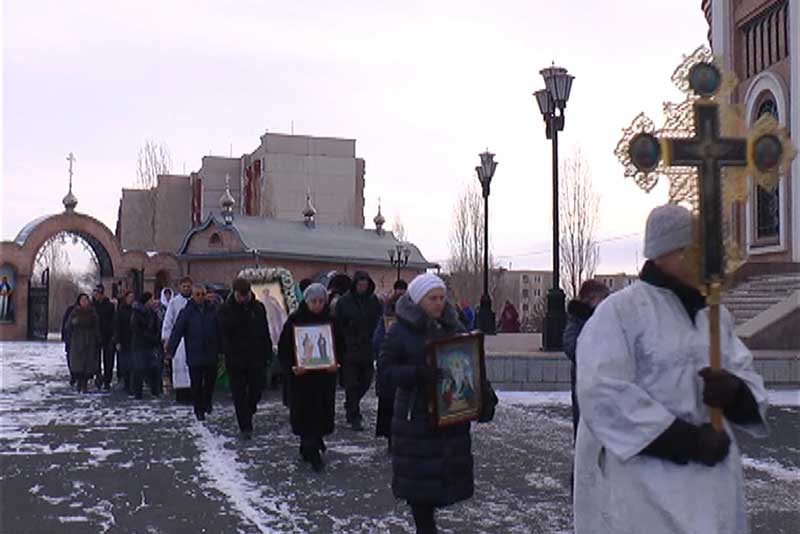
point(176, 342)
point(640, 371)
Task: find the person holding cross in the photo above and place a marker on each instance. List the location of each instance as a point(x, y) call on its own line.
point(647, 456)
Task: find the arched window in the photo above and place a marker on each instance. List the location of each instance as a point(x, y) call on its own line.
point(215, 240)
point(767, 203)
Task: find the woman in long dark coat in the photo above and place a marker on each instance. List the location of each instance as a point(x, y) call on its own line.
point(431, 468)
point(84, 341)
point(312, 394)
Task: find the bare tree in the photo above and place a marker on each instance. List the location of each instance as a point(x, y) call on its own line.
point(532, 323)
point(466, 245)
point(154, 159)
point(65, 283)
point(398, 229)
point(579, 217)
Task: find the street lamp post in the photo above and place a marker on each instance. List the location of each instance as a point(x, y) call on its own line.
point(552, 101)
point(398, 257)
point(485, 171)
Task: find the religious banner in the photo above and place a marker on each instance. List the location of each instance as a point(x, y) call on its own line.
point(709, 157)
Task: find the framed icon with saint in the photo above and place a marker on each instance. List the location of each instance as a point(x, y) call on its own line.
point(456, 398)
point(314, 347)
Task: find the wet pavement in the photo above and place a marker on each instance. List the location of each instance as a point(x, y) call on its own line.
point(106, 463)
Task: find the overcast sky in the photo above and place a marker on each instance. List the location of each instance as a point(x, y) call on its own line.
point(423, 86)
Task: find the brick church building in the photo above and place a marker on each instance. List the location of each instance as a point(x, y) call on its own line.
point(759, 40)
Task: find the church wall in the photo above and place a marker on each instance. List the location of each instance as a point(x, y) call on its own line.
point(173, 211)
point(213, 171)
point(205, 242)
point(136, 215)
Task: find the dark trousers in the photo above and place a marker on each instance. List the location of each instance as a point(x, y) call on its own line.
point(424, 519)
point(246, 386)
point(203, 379)
point(151, 376)
point(106, 367)
point(357, 381)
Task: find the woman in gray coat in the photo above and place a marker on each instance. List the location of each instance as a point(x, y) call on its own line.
point(84, 341)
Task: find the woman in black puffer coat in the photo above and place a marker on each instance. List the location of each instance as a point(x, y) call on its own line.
point(431, 468)
point(311, 394)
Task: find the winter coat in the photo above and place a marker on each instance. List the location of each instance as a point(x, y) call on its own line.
point(357, 317)
point(578, 312)
point(144, 330)
point(429, 466)
point(312, 396)
point(122, 327)
point(65, 328)
point(509, 320)
point(144, 337)
point(105, 313)
point(246, 340)
point(84, 341)
point(199, 328)
point(383, 390)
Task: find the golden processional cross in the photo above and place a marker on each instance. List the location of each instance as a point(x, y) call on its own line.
point(693, 152)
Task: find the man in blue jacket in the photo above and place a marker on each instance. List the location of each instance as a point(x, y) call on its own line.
point(197, 325)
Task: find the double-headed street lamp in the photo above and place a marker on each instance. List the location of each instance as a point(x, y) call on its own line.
point(552, 101)
point(398, 257)
point(486, 319)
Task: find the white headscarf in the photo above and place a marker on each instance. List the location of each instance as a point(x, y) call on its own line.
point(422, 285)
point(164, 299)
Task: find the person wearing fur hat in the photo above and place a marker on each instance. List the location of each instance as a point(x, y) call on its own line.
point(647, 458)
point(312, 394)
point(430, 468)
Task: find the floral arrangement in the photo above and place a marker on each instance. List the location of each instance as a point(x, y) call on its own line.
point(268, 275)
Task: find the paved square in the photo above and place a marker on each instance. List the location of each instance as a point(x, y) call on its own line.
point(104, 463)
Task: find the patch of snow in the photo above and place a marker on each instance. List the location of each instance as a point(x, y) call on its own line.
point(223, 472)
point(772, 468)
point(73, 519)
point(99, 454)
point(542, 481)
point(535, 398)
point(784, 397)
point(103, 509)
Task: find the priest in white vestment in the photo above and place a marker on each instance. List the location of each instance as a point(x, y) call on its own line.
point(180, 369)
point(647, 459)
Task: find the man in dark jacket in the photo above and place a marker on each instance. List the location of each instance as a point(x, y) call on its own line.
point(357, 315)
point(579, 311)
point(145, 339)
point(65, 331)
point(122, 339)
point(105, 313)
point(198, 326)
point(248, 349)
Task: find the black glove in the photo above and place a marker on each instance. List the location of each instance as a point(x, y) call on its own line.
point(428, 375)
point(720, 388)
point(712, 446)
point(683, 442)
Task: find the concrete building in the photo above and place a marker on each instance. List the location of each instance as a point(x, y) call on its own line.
point(615, 282)
point(272, 181)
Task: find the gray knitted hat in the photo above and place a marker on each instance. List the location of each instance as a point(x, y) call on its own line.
point(315, 292)
point(669, 228)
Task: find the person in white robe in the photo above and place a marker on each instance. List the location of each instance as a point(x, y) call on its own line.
point(647, 458)
point(180, 369)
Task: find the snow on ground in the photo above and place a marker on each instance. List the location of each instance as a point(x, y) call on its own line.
point(106, 463)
